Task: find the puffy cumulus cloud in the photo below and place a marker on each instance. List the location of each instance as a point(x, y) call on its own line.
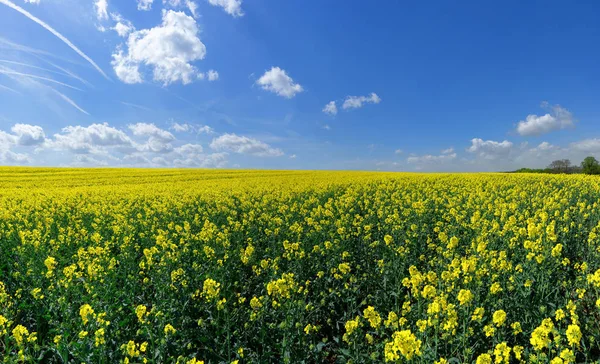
point(231, 7)
point(490, 149)
point(158, 140)
point(122, 26)
point(151, 130)
point(277, 81)
point(28, 134)
point(185, 127)
point(244, 145)
point(354, 102)
point(90, 139)
point(144, 5)
point(212, 75)
point(330, 108)
point(189, 149)
point(101, 7)
point(558, 118)
point(191, 155)
point(167, 49)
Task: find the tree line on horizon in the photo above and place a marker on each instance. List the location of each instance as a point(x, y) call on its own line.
point(588, 166)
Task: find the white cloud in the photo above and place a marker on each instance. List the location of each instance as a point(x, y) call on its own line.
point(91, 139)
point(398, 151)
point(448, 151)
point(144, 5)
point(326, 127)
point(354, 102)
point(205, 129)
point(490, 149)
point(167, 49)
point(231, 7)
point(123, 26)
point(277, 81)
point(159, 140)
point(558, 118)
point(192, 6)
point(125, 69)
point(213, 75)
point(32, 1)
point(28, 134)
point(431, 159)
point(101, 9)
point(330, 108)
point(181, 127)
point(151, 130)
point(188, 149)
point(200, 129)
point(244, 145)
point(587, 145)
point(191, 155)
point(293, 156)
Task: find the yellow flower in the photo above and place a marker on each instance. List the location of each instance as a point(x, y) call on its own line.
point(464, 296)
point(484, 359)
point(495, 288)
point(83, 334)
point(20, 333)
point(369, 338)
point(169, 329)
point(518, 350)
point(140, 312)
point(539, 337)
point(210, 289)
point(403, 343)
point(559, 314)
point(502, 353)
point(85, 312)
point(499, 317)
point(516, 326)
point(478, 314)
point(489, 330)
point(37, 293)
point(574, 335)
point(568, 356)
point(373, 317)
point(255, 303)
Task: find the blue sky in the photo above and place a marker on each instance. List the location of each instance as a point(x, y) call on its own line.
point(436, 86)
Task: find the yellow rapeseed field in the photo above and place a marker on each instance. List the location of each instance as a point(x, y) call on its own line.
point(192, 266)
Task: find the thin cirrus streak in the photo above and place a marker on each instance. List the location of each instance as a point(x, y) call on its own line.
point(57, 34)
point(136, 106)
point(10, 89)
point(65, 71)
point(68, 100)
point(11, 72)
point(32, 66)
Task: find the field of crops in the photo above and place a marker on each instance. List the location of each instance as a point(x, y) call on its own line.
point(185, 266)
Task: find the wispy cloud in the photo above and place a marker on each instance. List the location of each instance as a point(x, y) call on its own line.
point(135, 106)
point(71, 74)
point(32, 66)
point(9, 89)
point(68, 100)
point(57, 34)
point(7, 71)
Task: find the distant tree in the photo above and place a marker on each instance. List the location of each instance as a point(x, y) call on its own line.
point(560, 166)
point(590, 166)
